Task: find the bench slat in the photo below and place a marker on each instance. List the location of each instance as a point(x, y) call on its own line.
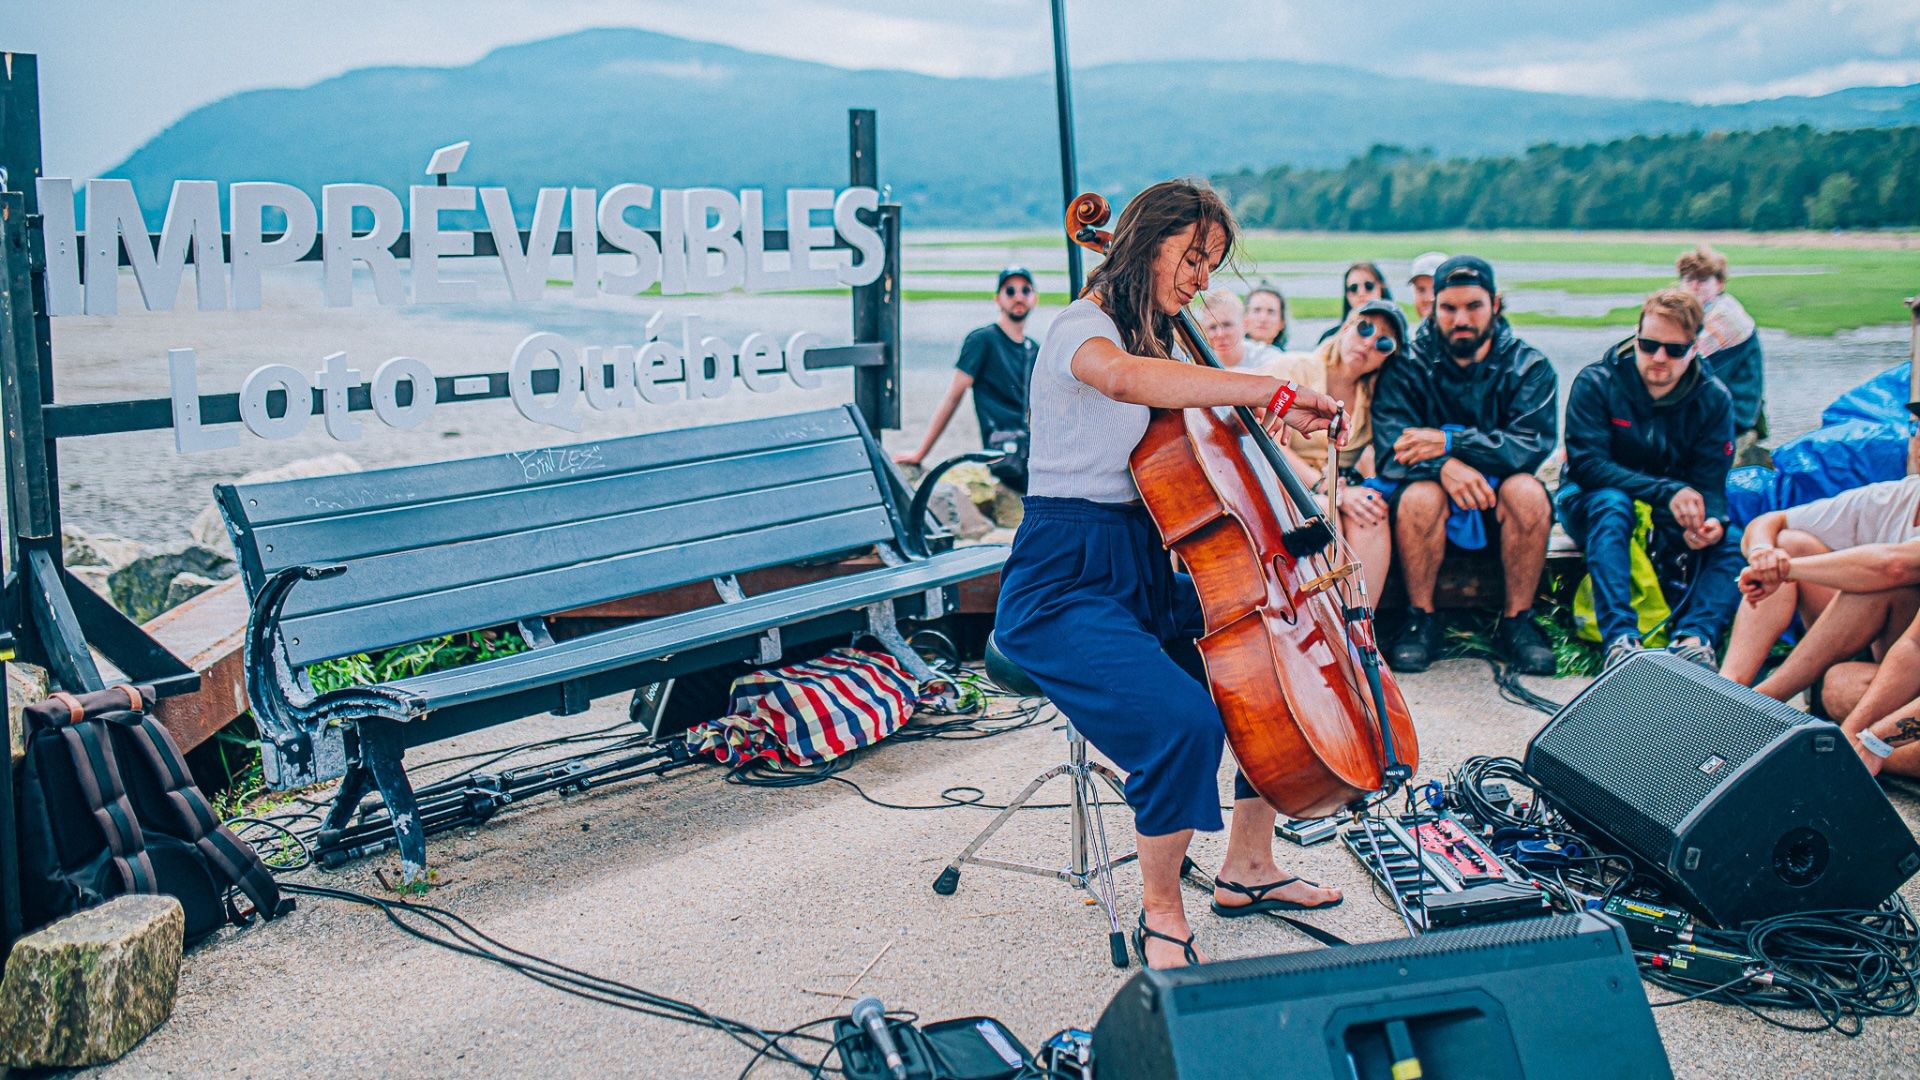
point(329, 496)
point(500, 561)
point(593, 654)
point(398, 622)
point(459, 516)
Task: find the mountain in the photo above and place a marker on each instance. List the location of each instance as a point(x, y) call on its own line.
point(606, 106)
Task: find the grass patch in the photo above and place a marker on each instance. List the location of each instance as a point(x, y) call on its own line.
point(419, 658)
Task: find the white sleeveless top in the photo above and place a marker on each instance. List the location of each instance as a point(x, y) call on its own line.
point(1081, 438)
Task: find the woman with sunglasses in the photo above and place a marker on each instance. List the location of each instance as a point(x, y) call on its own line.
point(1266, 317)
point(1363, 283)
point(1345, 366)
point(1090, 607)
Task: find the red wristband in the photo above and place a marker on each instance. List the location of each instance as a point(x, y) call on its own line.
point(1282, 399)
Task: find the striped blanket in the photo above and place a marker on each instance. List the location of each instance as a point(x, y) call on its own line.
point(811, 712)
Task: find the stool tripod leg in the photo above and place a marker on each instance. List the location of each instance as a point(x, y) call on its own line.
point(949, 878)
point(1103, 876)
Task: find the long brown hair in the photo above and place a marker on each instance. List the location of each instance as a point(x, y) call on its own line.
point(1124, 282)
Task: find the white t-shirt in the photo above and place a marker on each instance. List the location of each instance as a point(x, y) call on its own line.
point(1081, 437)
point(1880, 513)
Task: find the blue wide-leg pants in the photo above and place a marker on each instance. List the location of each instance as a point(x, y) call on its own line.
point(1091, 610)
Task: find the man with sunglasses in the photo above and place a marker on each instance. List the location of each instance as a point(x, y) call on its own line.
point(996, 363)
point(1461, 419)
point(1649, 423)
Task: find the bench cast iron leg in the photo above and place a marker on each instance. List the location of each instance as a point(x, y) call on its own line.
point(353, 788)
point(380, 750)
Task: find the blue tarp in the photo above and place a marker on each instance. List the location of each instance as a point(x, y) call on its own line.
point(1862, 440)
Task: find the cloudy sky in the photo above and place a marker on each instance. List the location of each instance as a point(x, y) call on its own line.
point(115, 72)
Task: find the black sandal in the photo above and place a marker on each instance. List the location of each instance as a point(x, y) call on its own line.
point(1144, 932)
point(1258, 893)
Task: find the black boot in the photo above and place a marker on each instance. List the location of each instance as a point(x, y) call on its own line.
point(1419, 644)
point(1523, 646)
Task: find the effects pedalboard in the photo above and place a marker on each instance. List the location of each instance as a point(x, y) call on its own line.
point(1443, 874)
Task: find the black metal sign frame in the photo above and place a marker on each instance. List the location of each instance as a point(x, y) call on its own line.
point(58, 621)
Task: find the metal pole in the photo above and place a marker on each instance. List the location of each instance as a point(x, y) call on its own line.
point(1069, 168)
point(1913, 383)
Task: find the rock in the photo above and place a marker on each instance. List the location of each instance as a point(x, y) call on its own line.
point(184, 587)
point(113, 552)
point(1007, 509)
point(26, 684)
point(95, 578)
point(998, 536)
point(951, 508)
point(210, 529)
point(974, 478)
point(85, 989)
point(140, 588)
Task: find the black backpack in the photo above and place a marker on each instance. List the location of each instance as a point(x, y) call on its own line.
point(107, 806)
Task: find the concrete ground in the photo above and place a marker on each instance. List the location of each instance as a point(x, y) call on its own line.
point(764, 904)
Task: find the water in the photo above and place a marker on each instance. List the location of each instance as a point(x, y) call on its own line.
point(136, 485)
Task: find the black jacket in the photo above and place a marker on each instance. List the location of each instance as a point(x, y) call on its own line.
point(1507, 404)
point(1619, 437)
point(1742, 369)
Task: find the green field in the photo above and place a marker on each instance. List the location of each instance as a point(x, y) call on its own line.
point(1847, 285)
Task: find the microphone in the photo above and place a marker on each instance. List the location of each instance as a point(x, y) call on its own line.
point(870, 1015)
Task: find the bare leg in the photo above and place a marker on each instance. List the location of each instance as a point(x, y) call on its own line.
point(1250, 859)
point(1898, 679)
point(1526, 516)
point(1844, 686)
point(1419, 534)
point(1160, 861)
point(1756, 628)
point(1374, 546)
point(1851, 623)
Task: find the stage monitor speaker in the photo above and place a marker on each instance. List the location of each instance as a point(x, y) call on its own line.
point(1752, 808)
point(1537, 998)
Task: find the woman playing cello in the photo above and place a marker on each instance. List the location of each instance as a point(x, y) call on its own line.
point(1090, 606)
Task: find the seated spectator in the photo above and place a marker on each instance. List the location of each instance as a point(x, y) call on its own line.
point(1362, 282)
point(1729, 341)
point(1267, 315)
point(1460, 422)
point(1883, 513)
point(1421, 278)
point(1648, 423)
point(1876, 593)
point(1345, 368)
point(1224, 320)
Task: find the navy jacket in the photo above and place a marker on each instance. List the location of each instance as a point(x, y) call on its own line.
point(1507, 404)
point(1742, 368)
point(1618, 436)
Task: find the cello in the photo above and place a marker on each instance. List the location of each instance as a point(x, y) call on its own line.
point(1292, 662)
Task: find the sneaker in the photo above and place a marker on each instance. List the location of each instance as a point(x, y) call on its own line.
point(1622, 648)
point(1697, 651)
point(1419, 644)
point(1519, 641)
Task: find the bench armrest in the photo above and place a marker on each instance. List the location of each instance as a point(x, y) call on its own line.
point(917, 513)
point(289, 714)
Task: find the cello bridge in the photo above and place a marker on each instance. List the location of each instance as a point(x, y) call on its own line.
point(1331, 578)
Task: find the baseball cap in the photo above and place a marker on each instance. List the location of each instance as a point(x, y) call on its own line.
point(1425, 265)
point(1393, 313)
point(1013, 272)
point(1464, 270)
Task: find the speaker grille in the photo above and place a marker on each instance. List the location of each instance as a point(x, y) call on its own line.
point(1439, 943)
point(1659, 730)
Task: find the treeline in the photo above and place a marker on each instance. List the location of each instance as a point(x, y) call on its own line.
point(1780, 178)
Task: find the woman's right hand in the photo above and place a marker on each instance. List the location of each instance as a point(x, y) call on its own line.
point(1312, 411)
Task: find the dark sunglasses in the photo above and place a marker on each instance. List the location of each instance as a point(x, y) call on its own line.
point(1363, 286)
point(1385, 344)
point(1017, 290)
point(1675, 349)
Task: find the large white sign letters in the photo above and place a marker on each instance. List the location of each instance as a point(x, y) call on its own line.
point(710, 240)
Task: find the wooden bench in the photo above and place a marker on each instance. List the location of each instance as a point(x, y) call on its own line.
point(348, 564)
